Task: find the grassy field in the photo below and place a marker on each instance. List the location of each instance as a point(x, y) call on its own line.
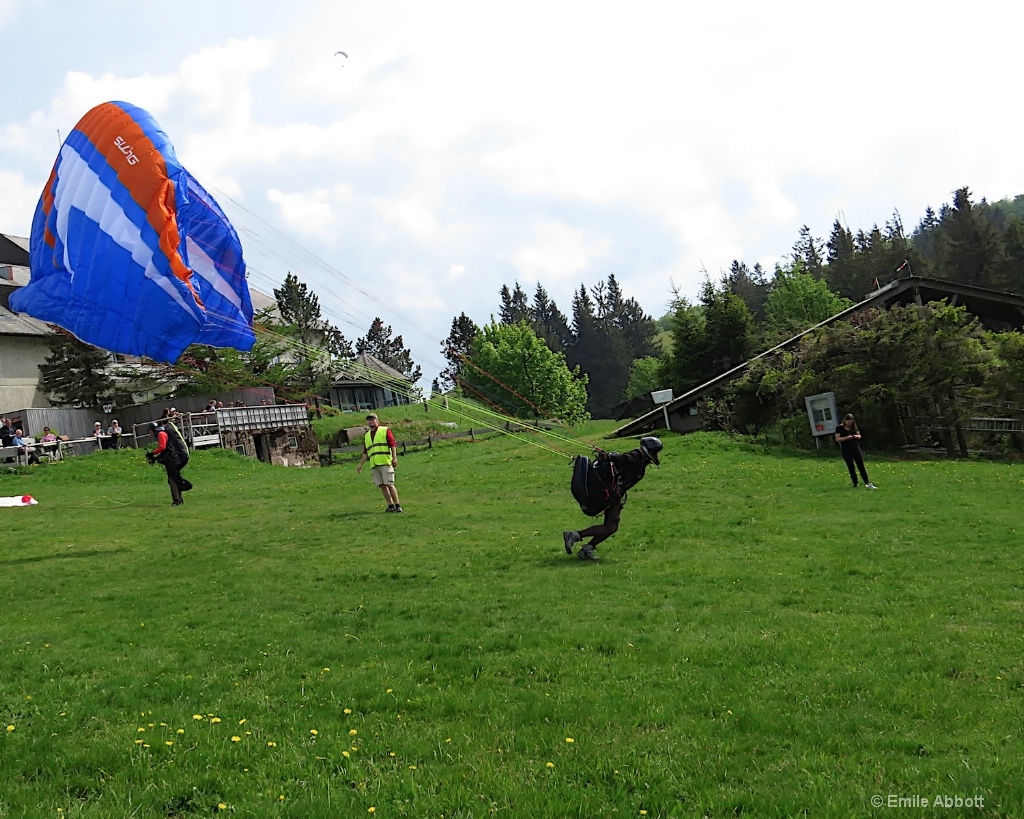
point(758, 639)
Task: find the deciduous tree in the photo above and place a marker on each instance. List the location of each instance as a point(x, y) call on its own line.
point(516, 371)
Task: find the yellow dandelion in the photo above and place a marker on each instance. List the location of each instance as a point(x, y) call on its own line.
point(236, 739)
point(313, 731)
point(643, 813)
point(271, 744)
point(242, 722)
point(391, 754)
point(570, 740)
point(197, 716)
point(163, 724)
point(280, 798)
point(327, 669)
point(181, 730)
point(10, 727)
point(141, 730)
point(152, 725)
point(138, 742)
point(221, 806)
point(353, 732)
point(345, 754)
point(412, 767)
point(354, 748)
point(551, 765)
point(448, 740)
point(215, 719)
point(168, 743)
point(388, 691)
point(144, 745)
point(371, 809)
point(248, 733)
point(347, 711)
point(728, 712)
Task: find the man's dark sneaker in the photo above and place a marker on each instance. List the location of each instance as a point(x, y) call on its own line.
point(399, 508)
point(587, 553)
point(186, 485)
point(391, 508)
point(177, 503)
point(570, 539)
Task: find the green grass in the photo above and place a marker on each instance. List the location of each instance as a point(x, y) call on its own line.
point(758, 639)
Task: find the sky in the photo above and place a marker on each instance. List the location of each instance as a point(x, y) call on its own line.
point(459, 146)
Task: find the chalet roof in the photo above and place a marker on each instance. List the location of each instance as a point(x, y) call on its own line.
point(15, 324)
point(357, 371)
point(261, 301)
point(13, 250)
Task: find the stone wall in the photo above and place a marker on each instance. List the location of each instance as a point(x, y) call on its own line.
point(281, 452)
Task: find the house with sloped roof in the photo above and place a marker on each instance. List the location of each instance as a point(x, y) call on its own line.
point(367, 383)
point(23, 345)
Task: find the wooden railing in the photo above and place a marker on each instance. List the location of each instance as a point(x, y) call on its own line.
point(344, 454)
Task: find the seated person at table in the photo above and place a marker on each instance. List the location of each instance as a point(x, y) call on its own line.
point(48, 441)
point(115, 433)
point(24, 448)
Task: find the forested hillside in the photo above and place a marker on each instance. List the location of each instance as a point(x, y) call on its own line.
point(613, 344)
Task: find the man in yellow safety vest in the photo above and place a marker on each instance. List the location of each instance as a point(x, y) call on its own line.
point(380, 450)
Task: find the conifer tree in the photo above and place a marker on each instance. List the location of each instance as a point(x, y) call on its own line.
point(514, 305)
point(379, 343)
point(76, 372)
point(456, 347)
point(317, 342)
point(548, 322)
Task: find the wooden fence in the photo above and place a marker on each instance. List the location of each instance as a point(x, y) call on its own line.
point(345, 454)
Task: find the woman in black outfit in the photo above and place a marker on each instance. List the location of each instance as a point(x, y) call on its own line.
point(848, 437)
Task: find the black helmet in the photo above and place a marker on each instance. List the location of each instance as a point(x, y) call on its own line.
point(153, 426)
point(651, 447)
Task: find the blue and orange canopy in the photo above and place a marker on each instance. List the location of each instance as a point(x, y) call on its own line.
point(128, 251)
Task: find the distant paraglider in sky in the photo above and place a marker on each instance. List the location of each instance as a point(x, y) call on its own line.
point(342, 53)
point(128, 251)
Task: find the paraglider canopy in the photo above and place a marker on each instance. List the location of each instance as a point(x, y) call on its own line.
point(128, 251)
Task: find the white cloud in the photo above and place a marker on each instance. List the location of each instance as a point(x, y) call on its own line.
point(18, 199)
point(558, 253)
point(545, 142)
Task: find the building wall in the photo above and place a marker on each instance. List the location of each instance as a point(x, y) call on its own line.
point(20, 357)
point(275, 445)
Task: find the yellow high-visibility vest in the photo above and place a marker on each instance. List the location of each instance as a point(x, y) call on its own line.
point(379, 451)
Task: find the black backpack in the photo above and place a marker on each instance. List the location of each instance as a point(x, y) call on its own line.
point(593, 484)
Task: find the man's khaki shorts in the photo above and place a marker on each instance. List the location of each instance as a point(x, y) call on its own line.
point(383, 475)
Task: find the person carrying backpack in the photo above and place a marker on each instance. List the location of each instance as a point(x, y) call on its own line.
point(172, 452)
point(626, 470)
